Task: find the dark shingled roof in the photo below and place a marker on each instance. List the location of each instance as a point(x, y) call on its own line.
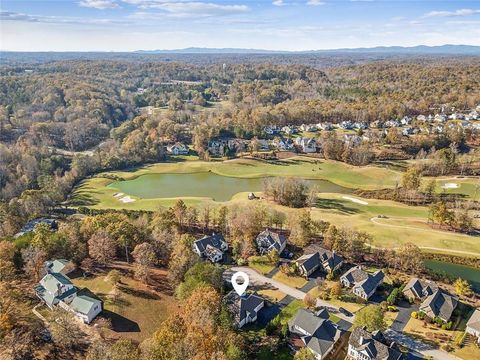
point(215, 241)
point(421, 288)
point(330, 257)
point(268, 238)
point(240, 306)
point(309, 261)
point(372, 281)
point(362, 340)
point(356, 275)
point(324, 333)
point(440, 303)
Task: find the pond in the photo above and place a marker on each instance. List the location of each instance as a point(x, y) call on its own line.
point(203, 184)
point(471, 274)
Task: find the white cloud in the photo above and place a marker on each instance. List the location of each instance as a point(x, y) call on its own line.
point(99, 4)
point(278, 3)
point(460, 12)
point(186, 9)
point(14, 16)
point(315, 2)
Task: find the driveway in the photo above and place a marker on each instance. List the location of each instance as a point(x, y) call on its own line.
point(417, 346)
point(260, 280)
point(404, 312)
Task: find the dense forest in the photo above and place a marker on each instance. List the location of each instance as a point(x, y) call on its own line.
point(63, 120)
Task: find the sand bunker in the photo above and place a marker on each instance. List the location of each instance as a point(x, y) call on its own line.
point(127, 199)
point(451, 186)
point(358, 201)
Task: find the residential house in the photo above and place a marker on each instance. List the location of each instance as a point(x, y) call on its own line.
point(216, 147)
point(263, 145)
point(307, 145)
point(325, 126)
point(473, 325)
point(245, 308)
point(283, 144)
point(177, 149)
point(323, 259)
point(417, 289)
point(421, 118)
point(61, 266)
point(405, 121)
point(267, 241)
point(289, 130)
point(211, 247)
point(85, 308)
point(360, 125)
point(352, 139)
point(346, 125)
point(439, 304)
point(363, 284)
point(30, 226)
point(237, 145)
point(363, 345)
point(315, 331)
point(56, 289)
point(271, 130)
point(309, 128)
point(440, 118)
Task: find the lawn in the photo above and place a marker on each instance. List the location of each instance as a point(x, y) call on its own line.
point(129, 315)
point(468, 352)
point(429, 333)
point(260, 264)
point(293, 281)
point(272, 295)
point(350, 306)
point(289, 311)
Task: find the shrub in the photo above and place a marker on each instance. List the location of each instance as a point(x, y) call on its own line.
point(449, 325)
point(270, 328)
point(421, 315)
point(414, 315)
point(392, 309)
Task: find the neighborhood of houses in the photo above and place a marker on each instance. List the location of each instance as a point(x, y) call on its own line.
point(303, 138)
point(316, 329)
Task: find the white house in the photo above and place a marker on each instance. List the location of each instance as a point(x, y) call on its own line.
point(307, 145)
point(473, 325)
point(211, 247)
point(363, 345)
point(56, 289)
point(177, 149)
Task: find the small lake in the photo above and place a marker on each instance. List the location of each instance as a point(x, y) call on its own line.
point(204, 184)
point(471, 274)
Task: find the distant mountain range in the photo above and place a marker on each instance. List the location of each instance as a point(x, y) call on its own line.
point(420, 49)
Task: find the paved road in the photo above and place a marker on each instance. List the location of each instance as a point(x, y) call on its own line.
point(259, 280)
point(404, 313)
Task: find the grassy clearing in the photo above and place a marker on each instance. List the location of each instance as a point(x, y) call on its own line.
point(429, 333)
point(350, 306)
point(261, 264)
point(293, 281)
point(468, 352)
point(128, 313)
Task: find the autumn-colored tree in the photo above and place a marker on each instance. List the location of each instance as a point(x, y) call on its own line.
point(304, 354)
point(65, 330)
point(124, 349)
point(181, 259)
point(412, 178)
point(34, 262)
point(144, 258)
point(336, 289)
point(309, 301)
point(371, 316)
point(462, 287)
point(101, 247)
point(301, 231)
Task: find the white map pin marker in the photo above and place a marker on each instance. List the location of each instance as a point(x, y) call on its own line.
point(240, 288)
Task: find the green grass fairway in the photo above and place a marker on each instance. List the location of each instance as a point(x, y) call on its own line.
point(404, 224)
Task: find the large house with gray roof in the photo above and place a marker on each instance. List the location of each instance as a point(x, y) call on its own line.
point(363, 284)
point(211, 247)
point(245, 308)
point(61, 266)
point(323, 259)
point(267, 241)
point(417, 289)
point(363, 345)
point(56, 289)
point(315, 331)
point(440, 304)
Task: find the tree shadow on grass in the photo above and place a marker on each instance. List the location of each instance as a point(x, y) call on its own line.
point(83, 199)
point(139, 293)
point(120, 323)
point(331, 204)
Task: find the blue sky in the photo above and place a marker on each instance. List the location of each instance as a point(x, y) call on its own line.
point(126, 25)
